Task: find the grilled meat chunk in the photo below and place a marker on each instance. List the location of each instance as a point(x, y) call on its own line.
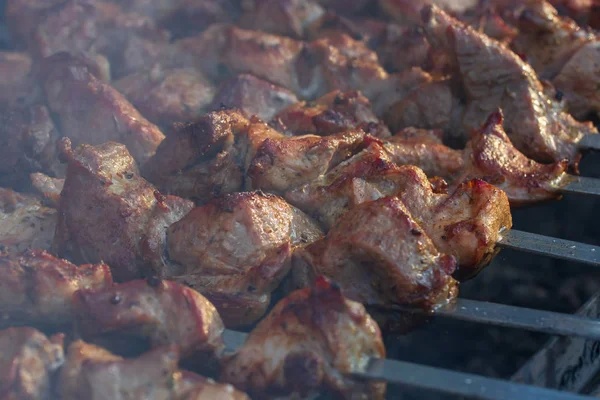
point(27, 144)
point(166, 312)
point(332, 113)
point(93, 112)
point(494, 77)
point(253, 96)
point(302, 347)
point(165, 96)
point(48, 187)
point(28, 361)
point(17, 85)
point(24, 222)
point(235, 250)
point(408, 11)
point(37, 288)
point(380, 255)
point(105, 201)
point(490, 156)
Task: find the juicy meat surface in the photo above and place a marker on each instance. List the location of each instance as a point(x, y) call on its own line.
point(380, 255)
point(165, 96)
point(253, 96)
point(491, 156)
point(48, 187)
point(37, 288)
point(303, 347)
point(28, 361)
point(24, 222)
point(535, 122)
point(108, 212)
point(236, 250)
point(332, 113)
point(93, 112)
point(165, 312)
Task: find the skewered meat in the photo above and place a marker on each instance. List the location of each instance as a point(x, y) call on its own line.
point(303, 347)
point(393, 261)
point(490, 156)
point(37, 288)
point(27, 144)
point(24, 222)
point(165, 96)
point(92, 372)
point(408, 11)
point(236, 250)
point(105, 202)
point(166, 312)
point(535, 121)
point(48, 187)
point(16, 83)
point(253, 96)
point(93, 112)
point(332, 113)
point(28, 360)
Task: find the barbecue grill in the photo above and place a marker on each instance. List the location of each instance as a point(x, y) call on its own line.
point(566, 367)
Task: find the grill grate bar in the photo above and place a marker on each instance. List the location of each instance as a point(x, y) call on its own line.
point(552, 247)
point(581, 185)
point(590, 142)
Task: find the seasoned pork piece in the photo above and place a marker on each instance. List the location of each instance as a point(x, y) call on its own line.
point(167, 313)
point(490, 156)
point(494, 77)
point(108, 212)
point(303, 347)
point(332, 113)
point(235, 250)
point(165, 96)
point(424, 149)
point(253, 96)
point(27, 144)
point(202, 160)
point(281, 164)
point(28, 361)
point(93, 112)
point(281, 17)
point(92, 372)
point(37, 288)
point(24, 222)
point(48, 187)
point(17, 85)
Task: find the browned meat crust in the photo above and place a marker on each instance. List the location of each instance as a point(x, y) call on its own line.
point(332, 113)
point(303, 347)
point(107, 211)
point(24, 222)
point(93, 112)
point(28, 361)
point(235, 250)
point(253, 96)
point(166, 313)
point(37, 288)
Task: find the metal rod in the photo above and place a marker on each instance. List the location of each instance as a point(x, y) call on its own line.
point(549, 246)
point(581, 185)
point(437, 379)
point(590, 142)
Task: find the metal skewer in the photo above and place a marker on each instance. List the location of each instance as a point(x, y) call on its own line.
point(590, 142)
point(582, 185)
point(436, 379)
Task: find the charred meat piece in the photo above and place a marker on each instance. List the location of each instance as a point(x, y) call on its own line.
point(165, 312)
point(17, 85)
point(93, 112)
point(202, 160)
point(494, 77)
point(24, 222)
point(302, 347)
point(236, 250)
point(380, 255)
point(28, 361)
point(27, 144)
point(281, 164)
point(108, 212)
point(332, 113)
point(37, 288)
point(281, 17)
point(425, 150)
point(253, 96)
point(490, 156)
point(165, 96)
point(48, 187)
